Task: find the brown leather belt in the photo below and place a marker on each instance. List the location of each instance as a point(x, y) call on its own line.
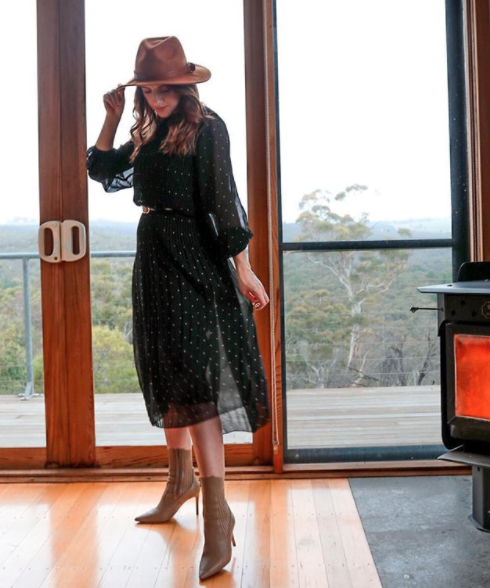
point(147, 209)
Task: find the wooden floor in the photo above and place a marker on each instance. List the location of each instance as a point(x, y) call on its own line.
point(348, 417)
point(289, 533)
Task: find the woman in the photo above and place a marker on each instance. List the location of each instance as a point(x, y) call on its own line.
point(194, 338)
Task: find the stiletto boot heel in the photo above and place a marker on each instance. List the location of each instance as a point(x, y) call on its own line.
point(197, 504)
point(233, 540)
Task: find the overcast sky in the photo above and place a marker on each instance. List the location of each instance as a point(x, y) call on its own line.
point(362, 84)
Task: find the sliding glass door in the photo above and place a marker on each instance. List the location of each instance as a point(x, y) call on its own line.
point(69, 394)
point(368, 214)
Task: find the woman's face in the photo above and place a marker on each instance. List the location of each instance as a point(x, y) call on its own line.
point(162, 99)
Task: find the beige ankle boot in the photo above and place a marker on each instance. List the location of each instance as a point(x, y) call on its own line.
point(218, 527)
point(182, 484)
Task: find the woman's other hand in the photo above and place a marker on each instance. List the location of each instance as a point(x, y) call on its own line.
point(252, 287)
point(114, 102)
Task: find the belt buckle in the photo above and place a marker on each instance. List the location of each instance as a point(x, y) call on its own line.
point(146, 209)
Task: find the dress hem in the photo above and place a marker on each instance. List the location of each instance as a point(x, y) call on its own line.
point(158, 422)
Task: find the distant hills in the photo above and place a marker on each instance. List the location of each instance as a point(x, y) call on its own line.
point(426, 228)
point(105, 235)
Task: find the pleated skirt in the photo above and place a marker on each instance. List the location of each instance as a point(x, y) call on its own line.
point(194, 336)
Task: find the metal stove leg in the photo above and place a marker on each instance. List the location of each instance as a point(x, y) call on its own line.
point(481, 498)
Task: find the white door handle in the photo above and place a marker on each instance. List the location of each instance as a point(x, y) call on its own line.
point(62, 240)
point(67, 240)
point(54, 227)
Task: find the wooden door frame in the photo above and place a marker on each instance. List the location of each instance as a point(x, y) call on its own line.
point(477, 21)
point(65, 286)
point(67, 332)
point(262, 151)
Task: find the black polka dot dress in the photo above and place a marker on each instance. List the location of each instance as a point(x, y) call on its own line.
point(194, 336)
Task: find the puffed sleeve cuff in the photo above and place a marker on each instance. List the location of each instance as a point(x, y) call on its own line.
point(218, 193)
point(99, 162)
point(234, 240)
point(111, 168)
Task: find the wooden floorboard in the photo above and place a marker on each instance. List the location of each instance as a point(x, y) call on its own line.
point(348, 417)
point(289, 534)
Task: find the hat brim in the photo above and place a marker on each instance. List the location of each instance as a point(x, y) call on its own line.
point(199, 75)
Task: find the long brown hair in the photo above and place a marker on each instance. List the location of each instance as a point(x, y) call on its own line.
point(183, 124)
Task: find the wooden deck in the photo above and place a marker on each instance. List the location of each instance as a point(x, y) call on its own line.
point(350, 417)
point(364, 417)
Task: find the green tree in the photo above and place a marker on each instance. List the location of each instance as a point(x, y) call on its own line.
point(113, 362)
point(363, 275)
point(12, 348)
point(111, 295)
point(312, 346)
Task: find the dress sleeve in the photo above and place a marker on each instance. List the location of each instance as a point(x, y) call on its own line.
point(217, 190)
point(111, 168)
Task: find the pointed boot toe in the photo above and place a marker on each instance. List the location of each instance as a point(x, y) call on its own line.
point(151, 516)
point(213, 563)
point(168, 507)
point(182, 484)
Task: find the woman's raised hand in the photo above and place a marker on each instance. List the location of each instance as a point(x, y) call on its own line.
point(114, 102)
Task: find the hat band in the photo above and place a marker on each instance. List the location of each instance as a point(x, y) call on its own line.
point(189, 68)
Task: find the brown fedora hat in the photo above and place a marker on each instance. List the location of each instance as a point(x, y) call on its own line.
point(161, 60)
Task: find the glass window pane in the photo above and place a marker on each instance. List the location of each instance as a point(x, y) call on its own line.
point(121, 417)
point(22, 423)
point(361, 369)
point(364, 116)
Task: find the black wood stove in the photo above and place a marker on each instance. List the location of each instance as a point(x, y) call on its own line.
point(464, 330)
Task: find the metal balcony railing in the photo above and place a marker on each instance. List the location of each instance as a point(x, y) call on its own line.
point(29, 391)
